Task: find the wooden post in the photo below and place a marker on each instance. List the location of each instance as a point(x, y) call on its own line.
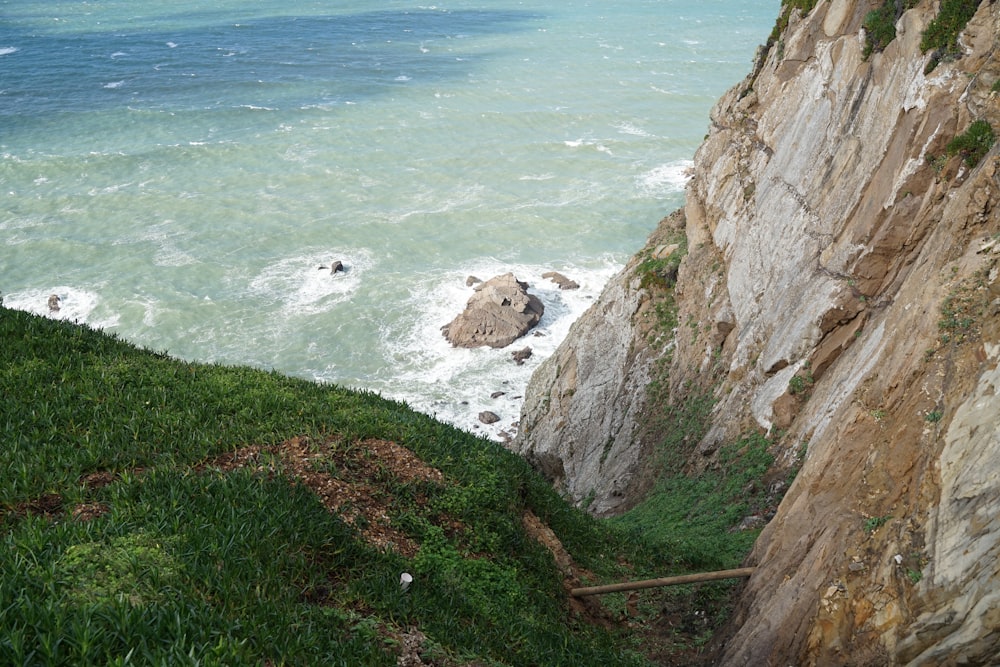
point(666, 581)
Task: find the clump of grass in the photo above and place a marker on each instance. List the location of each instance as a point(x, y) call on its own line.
point(880, 27)
point(688, 519)
point(941, 34)
point(874, 523)
point(974, 143)
point(801, 382)
point(661, 272)
point(787, 6)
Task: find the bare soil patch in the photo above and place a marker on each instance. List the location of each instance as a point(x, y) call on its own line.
point(350, 480)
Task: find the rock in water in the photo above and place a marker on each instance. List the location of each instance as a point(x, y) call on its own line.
point(521, 355)
point(488, 417)
point(336, 267)
point(500, 312)
point(561, 280)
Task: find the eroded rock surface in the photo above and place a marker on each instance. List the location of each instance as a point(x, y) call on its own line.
point(499, 312)
point(829, 234)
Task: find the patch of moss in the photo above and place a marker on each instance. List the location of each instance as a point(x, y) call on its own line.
point(137, 568)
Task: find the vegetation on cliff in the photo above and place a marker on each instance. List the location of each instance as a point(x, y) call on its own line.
point(974, 143)
point(941, 35)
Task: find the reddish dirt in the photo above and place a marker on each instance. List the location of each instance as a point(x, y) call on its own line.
point(355, 487)
point(49, 505)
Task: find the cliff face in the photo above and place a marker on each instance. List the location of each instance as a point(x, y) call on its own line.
point(841, 286)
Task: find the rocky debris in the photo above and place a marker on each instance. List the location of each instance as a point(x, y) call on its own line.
point(335, 267)
point(54, 300)
point(561, 280)
point(521, 355)
point(488, 417)
point(472, 280)
point(411, 646)
point(665, 250)
point(498, 313)
point(498, 394)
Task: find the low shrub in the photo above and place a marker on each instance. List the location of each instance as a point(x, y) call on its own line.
point(974, 143)
point(941, 34)
point(880, 27)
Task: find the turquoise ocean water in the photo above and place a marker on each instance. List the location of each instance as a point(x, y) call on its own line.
point(176, 172)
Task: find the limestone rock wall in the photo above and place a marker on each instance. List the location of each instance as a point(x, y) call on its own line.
point(581, 415)
point(830, 236)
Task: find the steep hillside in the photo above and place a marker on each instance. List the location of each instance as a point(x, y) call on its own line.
point(838, 292)
point(155, 512)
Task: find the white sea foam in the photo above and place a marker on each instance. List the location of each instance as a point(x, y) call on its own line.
point(114, 84)
point(666, 179)
point(588, 143)
point(172, 45)
point(629, 128)
point(303, 288)
point(118, 54)
point(456, 384)
point(170, 255)
point(75, 304)
point(7, 50)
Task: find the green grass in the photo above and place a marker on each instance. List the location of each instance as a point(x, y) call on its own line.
point(874, 523)
point(124, 540)
point(687, 519)
point(185, 562)
point(661, 272)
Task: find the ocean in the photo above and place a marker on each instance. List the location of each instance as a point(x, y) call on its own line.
point(178, 172)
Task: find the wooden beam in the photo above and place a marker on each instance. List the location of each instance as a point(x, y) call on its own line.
point(666, 581)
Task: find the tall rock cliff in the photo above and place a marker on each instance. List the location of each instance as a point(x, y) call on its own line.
point(837, 288)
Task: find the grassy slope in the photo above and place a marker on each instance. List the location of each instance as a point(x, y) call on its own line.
point(173, 559)
point(149, 512)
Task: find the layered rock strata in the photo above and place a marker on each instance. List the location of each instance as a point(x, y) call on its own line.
point(832, 236)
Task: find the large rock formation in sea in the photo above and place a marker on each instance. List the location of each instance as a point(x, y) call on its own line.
point(499, 312)
point(840, 290)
